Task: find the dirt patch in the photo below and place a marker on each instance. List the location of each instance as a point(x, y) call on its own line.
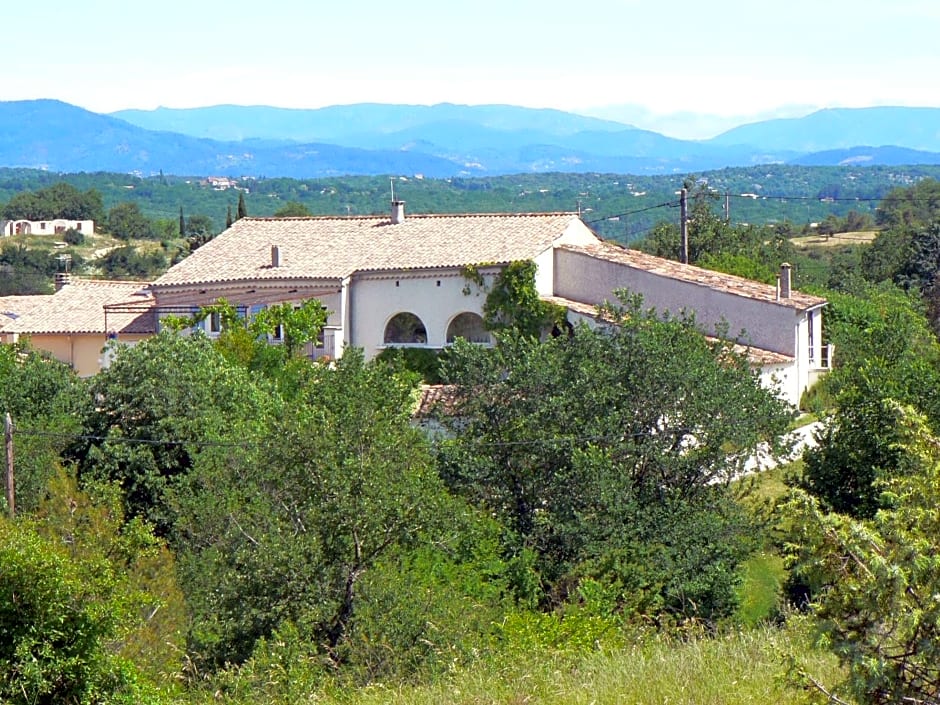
point(858, 237)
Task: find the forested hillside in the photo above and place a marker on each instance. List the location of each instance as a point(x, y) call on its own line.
point(146, 224)
point(620, 207)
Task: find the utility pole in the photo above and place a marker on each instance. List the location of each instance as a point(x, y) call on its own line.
point(728, 208)
point(684, 226)
point(8, 442)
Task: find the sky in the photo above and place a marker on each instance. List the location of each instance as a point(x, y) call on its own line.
point(683, 68)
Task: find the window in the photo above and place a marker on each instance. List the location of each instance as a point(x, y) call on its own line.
point(405, 329)
point(468, 326)
point(214, 322)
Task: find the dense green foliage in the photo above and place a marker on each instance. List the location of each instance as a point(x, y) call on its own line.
point(885, 353)
point(25, 271)
point(127, 222)
point(63, 605)
point(589, 448)
point(786, 194)
point(129, 262)
point(57, 200)
point(877, 580)
point(46, 401)
point(513, 303)
point(158, 402)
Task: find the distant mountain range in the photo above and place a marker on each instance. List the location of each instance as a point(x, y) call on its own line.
point(437, 141)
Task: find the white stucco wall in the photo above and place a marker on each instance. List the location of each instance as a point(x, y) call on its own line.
point(785, 380)
point(435, 297)
point(48, 227)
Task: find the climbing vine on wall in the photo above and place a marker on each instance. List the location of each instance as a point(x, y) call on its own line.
point(513, 302)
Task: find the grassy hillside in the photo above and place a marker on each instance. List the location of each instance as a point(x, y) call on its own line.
point(737, 668)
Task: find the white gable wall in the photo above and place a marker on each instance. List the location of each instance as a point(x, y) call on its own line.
point(766, 325)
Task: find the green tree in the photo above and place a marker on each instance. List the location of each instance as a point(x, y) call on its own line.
point(885, 353)
point(877, 580)
point(242, 208)
point(287, 533)
point(199, 230)
point(594, 449)
point(182, 230)
point(715, 242)
point(160, 401)
point(887, 255)
point(126, 222)
point(91, 524)
point(46, 401)
point(912, 207)
point(922, 264)
point(60, 616)
point(294, 325)
point(73, 237)
point(25, 271)
point(129, 262)
point(60, 200)
point(293, 209)
point(247, 341)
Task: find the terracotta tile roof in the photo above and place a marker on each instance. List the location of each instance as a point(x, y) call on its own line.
point(78, 307)
point(696, 275)
point(756, 356)
point(334, 248)
point(434, 399)
point(12, 308)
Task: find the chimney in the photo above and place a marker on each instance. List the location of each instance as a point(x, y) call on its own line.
point(785, 281)
point(62, 279)
point(398, 212)
point(275, 255)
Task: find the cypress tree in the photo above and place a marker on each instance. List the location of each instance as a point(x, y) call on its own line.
point(182, 223)
point(228, 216)
point(242, 209)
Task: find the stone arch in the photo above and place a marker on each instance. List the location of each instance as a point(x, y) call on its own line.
point(405, 328)
point(469, 326)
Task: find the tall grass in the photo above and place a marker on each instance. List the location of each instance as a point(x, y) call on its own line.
point(745, 667)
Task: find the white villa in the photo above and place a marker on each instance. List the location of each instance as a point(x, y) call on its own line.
point(55, 226)
point(401, 281)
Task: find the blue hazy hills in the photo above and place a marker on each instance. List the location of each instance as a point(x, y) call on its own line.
point(438, 141)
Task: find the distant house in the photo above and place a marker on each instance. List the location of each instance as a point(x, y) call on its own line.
point(221, 183)
point(55, 226)
point(76, 322)
point(392, 281)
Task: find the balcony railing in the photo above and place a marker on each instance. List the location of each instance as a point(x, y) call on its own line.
point(825, 356)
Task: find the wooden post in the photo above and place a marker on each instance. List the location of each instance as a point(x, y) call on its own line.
point(684, 226)
point(8, 442)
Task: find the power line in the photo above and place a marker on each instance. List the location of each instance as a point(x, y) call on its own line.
point(667, 204)
point(128, 439)
point(530, 442)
